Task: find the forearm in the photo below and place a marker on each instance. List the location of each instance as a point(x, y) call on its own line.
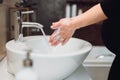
point(91, 16)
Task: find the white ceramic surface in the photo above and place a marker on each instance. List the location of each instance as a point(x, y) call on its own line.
point(79, 74)
point(98, 62)
point(50, 63)
point(99, 56)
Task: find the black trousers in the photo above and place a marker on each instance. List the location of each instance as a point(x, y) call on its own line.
point(114, 73)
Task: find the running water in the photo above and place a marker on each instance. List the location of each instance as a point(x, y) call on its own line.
point(44, 35)
point(49, 48)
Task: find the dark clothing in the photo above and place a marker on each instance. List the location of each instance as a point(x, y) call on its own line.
point(111, 27)
point(110, 34)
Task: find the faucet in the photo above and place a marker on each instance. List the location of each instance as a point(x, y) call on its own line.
point(23, 24)
point(28, 24)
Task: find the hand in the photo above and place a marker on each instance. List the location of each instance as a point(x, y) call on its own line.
point(63, 31)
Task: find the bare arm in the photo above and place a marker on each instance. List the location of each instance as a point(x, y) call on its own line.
point(93, 15)
point(68, 26)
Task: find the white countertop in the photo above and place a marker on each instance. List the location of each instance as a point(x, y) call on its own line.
point(80, 73)
point(4, 75)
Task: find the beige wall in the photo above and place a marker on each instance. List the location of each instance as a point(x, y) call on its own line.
point(4, 24)
point(3, 29)
point(9, 2)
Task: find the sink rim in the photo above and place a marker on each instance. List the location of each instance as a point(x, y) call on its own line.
point(78, 52)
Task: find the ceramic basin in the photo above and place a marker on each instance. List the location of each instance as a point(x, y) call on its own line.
point(50, 63)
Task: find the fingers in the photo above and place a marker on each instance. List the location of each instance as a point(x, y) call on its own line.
point(56, 38)
point(62, 33)
point(55, 25)
point(65, 41)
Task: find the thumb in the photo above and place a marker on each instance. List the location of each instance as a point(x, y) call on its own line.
point(55, 25)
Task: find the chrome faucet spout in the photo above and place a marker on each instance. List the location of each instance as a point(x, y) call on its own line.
point(32, 24)
point(29, 24)
point(22, 24)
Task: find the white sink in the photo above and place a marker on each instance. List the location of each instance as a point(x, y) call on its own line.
point(50, 63)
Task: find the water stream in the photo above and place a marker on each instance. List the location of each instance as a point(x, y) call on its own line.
point(44, 35)
point(49, 48)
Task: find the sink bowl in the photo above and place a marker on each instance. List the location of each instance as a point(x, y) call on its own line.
point(50, 63)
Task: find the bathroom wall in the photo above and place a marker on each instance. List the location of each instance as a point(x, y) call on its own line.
point(4, 20)
point(3, 28)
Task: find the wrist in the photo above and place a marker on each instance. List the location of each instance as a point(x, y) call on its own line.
point(74, 23)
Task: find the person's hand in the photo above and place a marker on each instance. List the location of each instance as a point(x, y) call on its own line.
point(63, 31)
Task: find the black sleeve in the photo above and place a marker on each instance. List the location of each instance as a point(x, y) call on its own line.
point(111, 8)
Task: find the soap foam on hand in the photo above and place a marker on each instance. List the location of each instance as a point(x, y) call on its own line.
point(56, 38)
